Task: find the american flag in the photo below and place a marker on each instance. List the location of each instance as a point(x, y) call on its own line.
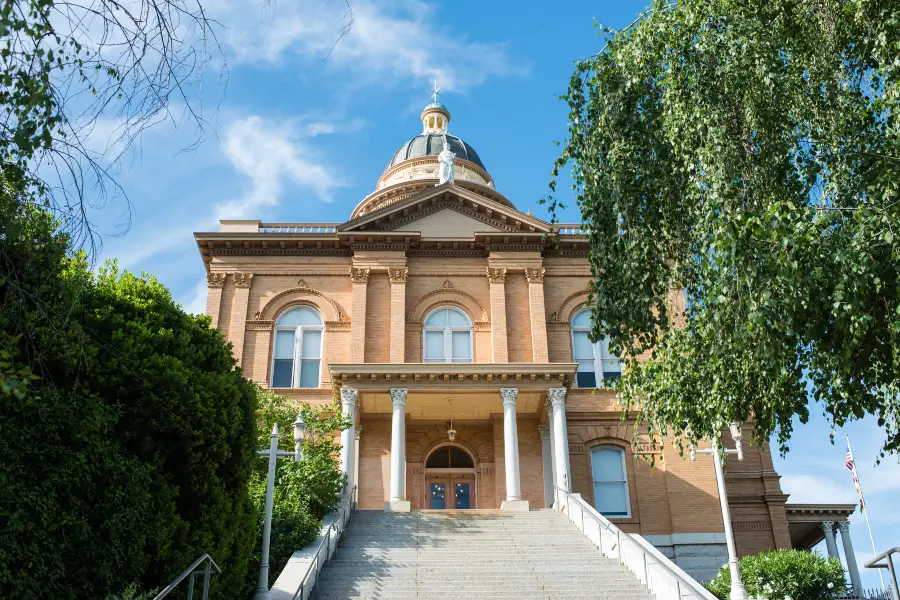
point(852, 466)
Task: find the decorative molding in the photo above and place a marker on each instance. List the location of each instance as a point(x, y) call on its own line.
point(398, 275)
point(359, 275)
point(415, 214)
point(337, 326)
point(447, 295)
point(752, 525)
point(215, 280)
point(302, 284)
point(243, 280)
point(558, 326)
point(398, 397)
point(558, 313)
point(534, 275)
point(496, 275)
point(576, 448)
point(447, 285)
point(544, 431)
point(278, 301)
point(508, 396)
point(844, 526)
point(482, 325)
point(258, 325)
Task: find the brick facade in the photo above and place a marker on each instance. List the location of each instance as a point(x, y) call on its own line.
point(374, 287)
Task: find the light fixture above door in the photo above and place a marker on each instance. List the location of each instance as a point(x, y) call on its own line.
point(451, 433)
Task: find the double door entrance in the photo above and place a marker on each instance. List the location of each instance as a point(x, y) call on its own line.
point(450, 491)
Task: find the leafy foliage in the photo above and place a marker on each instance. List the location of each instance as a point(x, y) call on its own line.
point(126, 433)
point(784, 575)
point(745, 153)
point(304, 491)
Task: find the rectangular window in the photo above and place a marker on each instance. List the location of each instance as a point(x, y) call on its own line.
point(611, 497)
point(583, 353)
point(462, 346)
point(434, 346)
point(283, 359)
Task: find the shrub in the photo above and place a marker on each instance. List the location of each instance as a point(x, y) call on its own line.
point(304, 491)
point(126, 433)
point(784, 575)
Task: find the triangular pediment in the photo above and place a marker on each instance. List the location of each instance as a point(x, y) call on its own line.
point(447, 211)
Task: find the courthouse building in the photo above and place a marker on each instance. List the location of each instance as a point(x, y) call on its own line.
point(453, 327)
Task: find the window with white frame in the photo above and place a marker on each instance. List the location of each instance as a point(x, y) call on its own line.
point(596, 366)
point(447, 337)
point(297, 354)
point(611, 498)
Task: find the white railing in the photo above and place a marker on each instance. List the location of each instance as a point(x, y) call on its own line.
point(298, 227)
point(571, 229)
point(664, 579)
point(209, 569)
point(327, 547)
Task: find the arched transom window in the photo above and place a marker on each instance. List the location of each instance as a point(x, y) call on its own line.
point(596, 366)
point(611, 498)
point(297, 354)
point(448, 337)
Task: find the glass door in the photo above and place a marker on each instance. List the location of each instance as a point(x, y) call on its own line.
point(450, 492)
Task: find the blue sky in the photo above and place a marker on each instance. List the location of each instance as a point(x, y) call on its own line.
point(298, 137)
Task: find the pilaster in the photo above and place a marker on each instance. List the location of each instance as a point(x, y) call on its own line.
point(359, 279)
point(398, 313)
point(499, 342)
point(539, 351)
point(242, 283)
point(215, 282)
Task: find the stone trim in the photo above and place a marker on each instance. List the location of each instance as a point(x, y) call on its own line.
point(243, 280)
point(280, 302)
point(359, 275)
point(446, 295)
point(562, 314)
point(496, 275)
point(398, 275)
point(535, 275)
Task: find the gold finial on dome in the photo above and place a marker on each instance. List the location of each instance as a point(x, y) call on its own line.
point(435, 117)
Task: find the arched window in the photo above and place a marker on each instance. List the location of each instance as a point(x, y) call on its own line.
point(449, 457)
point(611, 498)
point(448, 337)
point(596, 366)
point(297, 357)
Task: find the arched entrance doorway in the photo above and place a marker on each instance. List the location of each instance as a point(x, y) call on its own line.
point(450, 482)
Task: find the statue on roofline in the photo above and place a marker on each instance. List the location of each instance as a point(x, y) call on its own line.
point(446, 159)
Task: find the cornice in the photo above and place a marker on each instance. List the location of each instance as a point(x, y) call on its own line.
point(530, 376)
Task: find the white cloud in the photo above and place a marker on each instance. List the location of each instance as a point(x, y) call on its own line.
point(397, 40)
point(268, 154)
point(194, 301)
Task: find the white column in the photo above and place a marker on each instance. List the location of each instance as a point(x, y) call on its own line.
point(850, 556)
point(560, 437)
point(349, 401)
point(398, 501)
point(547, 460)
point(828, 530)
point(356, 467)
point(511, 452)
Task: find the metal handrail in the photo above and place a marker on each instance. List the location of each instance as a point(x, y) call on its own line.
point(664, 579)
point(332, 534)
point(889, 565)
point(190, 573)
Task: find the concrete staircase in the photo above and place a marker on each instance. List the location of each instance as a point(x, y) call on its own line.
point(477, 554)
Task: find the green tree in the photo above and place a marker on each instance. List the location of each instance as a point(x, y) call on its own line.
point(784, 575)
point(746, 153)
point(127, 435)
point(304, 491)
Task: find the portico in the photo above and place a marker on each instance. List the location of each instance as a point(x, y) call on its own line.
point(497, 412)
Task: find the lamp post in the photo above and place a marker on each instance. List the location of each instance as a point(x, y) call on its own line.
point(273, 454)
point(738, 591)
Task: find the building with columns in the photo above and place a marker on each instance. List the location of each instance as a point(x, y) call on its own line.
point(453, 328)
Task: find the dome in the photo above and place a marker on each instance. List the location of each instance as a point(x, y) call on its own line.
point(431, 144)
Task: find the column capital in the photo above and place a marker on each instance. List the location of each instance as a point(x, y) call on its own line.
point(349, 399)
point(243, 280)
point(215, 280)
point(496, 275)
point(398, 397)
point(544, 430)
point(557, 396)
point(398, 275)
point(534, 275)
point(844, 526)
point(359, 275)
point(827, 526)
point(509, 395)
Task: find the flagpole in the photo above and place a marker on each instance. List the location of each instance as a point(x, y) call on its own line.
point(864, 512)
